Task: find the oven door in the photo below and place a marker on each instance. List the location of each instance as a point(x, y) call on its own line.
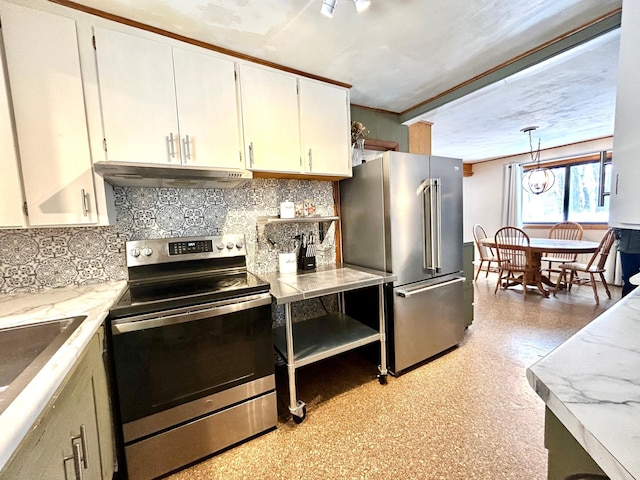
point(167, 359)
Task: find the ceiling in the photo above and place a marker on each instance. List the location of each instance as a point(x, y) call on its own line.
point(401, 53)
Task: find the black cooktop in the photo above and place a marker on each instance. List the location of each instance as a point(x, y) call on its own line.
point(163, 295)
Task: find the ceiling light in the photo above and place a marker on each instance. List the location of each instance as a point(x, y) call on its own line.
point(362, 5)
point(539, 179)
point(328, 7)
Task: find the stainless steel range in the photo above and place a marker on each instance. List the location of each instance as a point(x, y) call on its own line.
point(192, 353)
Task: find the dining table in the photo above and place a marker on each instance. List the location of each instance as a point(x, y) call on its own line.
point(540, 246)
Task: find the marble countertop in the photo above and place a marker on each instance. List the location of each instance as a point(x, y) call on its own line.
point(94, 301)
point(293, 287)
point(592, 384)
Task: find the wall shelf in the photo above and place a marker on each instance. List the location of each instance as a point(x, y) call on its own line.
point(262, 222)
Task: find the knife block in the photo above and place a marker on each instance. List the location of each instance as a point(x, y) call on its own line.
point(306, 260)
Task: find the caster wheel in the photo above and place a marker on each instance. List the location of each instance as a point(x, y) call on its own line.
point(382, 379)
point(298, 420)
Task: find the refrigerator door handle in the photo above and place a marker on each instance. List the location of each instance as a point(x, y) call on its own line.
point(421, 191)
point(407, 293)
point(431, 259)
point(437, 237)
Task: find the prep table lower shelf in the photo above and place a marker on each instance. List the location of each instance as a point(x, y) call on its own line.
point(339, 333)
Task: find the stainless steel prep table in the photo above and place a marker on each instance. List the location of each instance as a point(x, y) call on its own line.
point(328, 335)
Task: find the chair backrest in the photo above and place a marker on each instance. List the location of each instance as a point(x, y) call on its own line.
point(506, 239)
point(566, 231)
point(479, 234)
point(602, 252)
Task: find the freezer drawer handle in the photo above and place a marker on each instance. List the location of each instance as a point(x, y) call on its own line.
point(408, 293)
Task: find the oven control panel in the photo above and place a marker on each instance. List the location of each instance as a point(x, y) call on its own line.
point(186, 247)
point(166, 250)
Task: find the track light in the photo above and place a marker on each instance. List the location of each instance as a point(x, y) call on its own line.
point(362, 5)
point(328, 7)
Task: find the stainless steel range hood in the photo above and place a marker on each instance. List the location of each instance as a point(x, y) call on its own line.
point(133, 174)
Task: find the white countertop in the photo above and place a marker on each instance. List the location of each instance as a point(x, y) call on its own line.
point(94, 301)
point(592, 384)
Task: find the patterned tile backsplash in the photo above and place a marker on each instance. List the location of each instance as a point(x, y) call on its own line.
point(31, 259)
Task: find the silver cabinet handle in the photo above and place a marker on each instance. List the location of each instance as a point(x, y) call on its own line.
point(310, 161)
point(85, 203)
point(83, 443)
point(75, 456)
point(171, 147)
point(250, 154)
point(186, 148)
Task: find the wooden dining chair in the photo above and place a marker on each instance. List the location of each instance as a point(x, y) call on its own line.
point(562, 231)
point(514, 256)
point(593, 267)
point(487, 254)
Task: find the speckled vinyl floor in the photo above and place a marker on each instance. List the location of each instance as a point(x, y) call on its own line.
point(469, 414)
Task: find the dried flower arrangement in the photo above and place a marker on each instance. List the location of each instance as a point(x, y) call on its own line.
point(358, 130)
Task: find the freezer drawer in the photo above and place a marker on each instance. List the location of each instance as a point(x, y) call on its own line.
point(428, 318)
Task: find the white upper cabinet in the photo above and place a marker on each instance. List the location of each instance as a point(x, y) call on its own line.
point(162, 104)
point(10, 184)
point(623, 210)
point(270, 120)
point(138, 98)
point(208, 111)
point(43, 67)
point(325, 128)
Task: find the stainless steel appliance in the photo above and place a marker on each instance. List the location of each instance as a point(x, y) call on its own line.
point(192, 353)
point(402, 213)
point(137, 174)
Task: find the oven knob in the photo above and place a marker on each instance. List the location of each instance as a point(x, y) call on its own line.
point(239, 244)
point(230, 245)
point(134, 252)
point(220, 246)
point(146, 251)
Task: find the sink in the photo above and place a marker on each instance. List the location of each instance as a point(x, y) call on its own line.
point(25, 349)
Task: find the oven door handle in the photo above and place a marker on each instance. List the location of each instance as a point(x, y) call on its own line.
point(143, 322)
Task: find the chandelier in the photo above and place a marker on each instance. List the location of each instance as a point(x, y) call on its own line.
point(538, 179)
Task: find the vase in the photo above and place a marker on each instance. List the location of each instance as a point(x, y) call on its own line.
point(357, 152)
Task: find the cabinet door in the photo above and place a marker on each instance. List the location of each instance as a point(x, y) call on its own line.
point(137, 93)
point(10, 184)
point(324, 123)
point(42, 455)
point(270, 120)
point(46, 87)
point(208, 117)
point(623, 209)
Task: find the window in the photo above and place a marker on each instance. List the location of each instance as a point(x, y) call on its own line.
point(574, 196)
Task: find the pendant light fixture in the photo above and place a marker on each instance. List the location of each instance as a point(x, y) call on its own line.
point(329, 6)
point(539, 179)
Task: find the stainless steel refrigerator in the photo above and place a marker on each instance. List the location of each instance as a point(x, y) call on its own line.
point(402, 213)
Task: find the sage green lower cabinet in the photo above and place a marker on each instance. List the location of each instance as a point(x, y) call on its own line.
point(566, 455)
point(73, 439)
